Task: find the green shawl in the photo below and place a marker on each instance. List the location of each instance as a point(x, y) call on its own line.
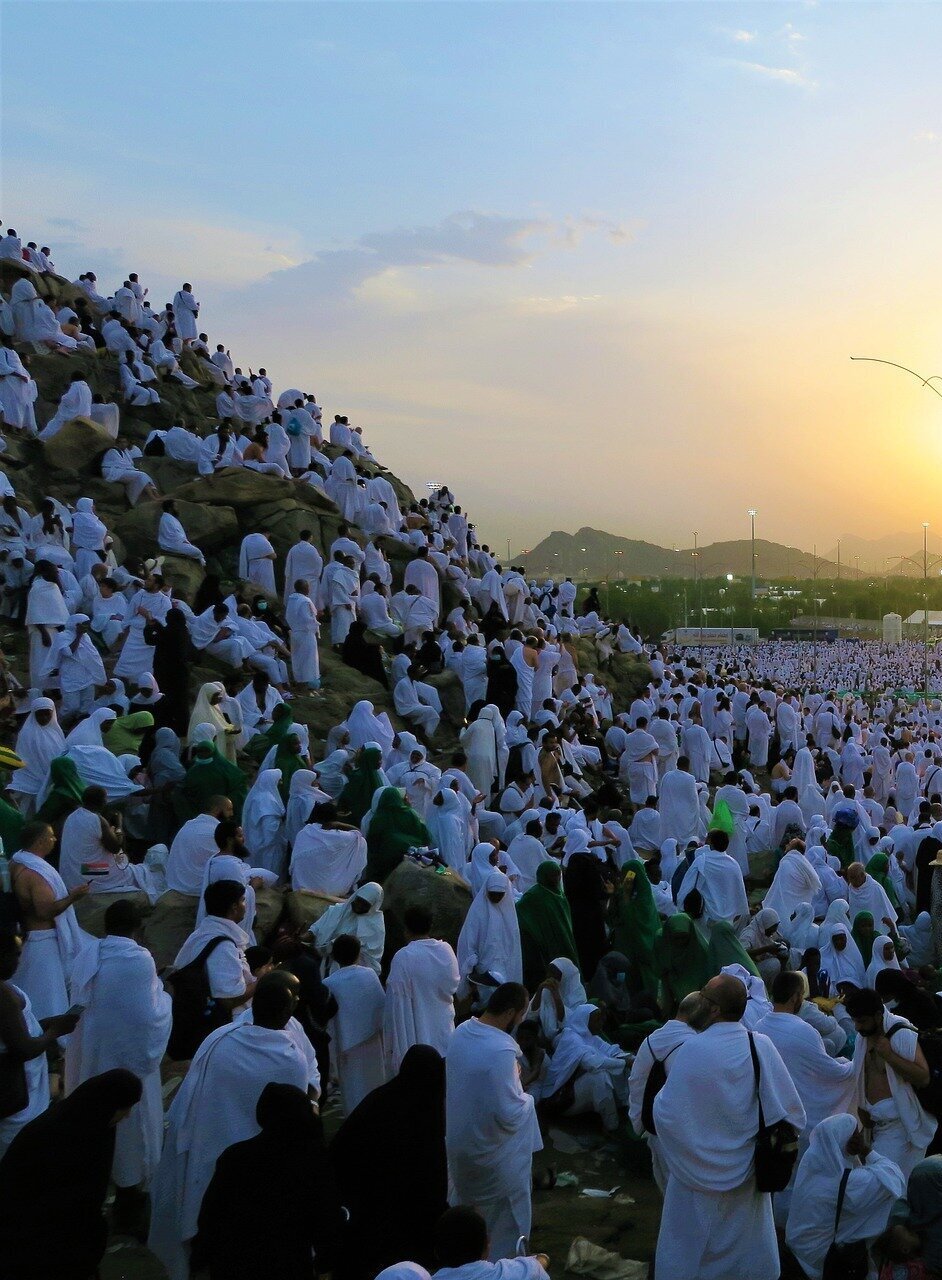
point(681, 958)
point(258, 747)
point(635, 923)
point(206, 777)
point(840, 844)
point(545, 925)
point(289, 762)
point(124, 736)
point(365, 780)
point(725, 948)
point(395, 828)
point(879, 868)
point(11, 824)
point(864, 940)
point(66, 790)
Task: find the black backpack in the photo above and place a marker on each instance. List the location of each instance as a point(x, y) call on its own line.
point(195, 1012)
point(657, 1077)
point(930, 1042)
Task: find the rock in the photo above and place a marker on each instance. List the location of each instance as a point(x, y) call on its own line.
point(443, 893)
point(169, 925)
point(209, 527)
point(269, 908)
point(78, 446)
point(304, 908)
point(167, 474)
point(90, 911)
point(451, 692)
point(236, 487)
point(186, 576)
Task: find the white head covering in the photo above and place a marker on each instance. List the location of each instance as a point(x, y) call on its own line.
point(880, 960)
point(490, 936)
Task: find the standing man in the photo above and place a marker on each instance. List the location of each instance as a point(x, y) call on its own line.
point(716, 1224)
point(890, 1067)
point(420, 990)
point(301, 617)
point(491, 1129)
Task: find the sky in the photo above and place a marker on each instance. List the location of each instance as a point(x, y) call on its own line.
point(589, 263)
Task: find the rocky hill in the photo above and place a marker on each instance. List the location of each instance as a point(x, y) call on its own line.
point(593, 554)
point(217, 510)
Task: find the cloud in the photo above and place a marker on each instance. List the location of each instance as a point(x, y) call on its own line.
point(739, 35)
point(792, 33)
point(926, 135)
point(543, 305)
point(466, 238)
point(784, 75)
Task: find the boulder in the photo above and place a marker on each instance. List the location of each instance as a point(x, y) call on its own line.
point(169, 925)
point(237, 487)
point(209, 527)
point(269, 908)
point(451, 692)
point(77, 446)
point(166, 473)
point(304, 908)
point(186, 576)
point(442, 892)
point(90, 911)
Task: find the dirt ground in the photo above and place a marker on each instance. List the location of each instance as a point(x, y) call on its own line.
point(559, 1216)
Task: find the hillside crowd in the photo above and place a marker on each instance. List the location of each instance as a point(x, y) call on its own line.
point(705, 911)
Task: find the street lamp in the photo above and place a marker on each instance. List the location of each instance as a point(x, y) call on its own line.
point(752, 527)
point(696, 582)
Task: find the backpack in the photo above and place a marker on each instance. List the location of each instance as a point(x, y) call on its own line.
point(655, 1082)
point(195, 1012)
point(776, 1144)
point(930, 1042)
point(849, 1261)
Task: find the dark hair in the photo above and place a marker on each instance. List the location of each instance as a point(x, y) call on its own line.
point(718, 841)
point(94, 798)
point(460, 1236)
point(418, 920)
point(225, 831)
point(221, 896)
point(786, 985)
point(509, 996)
point(123, 917)
point(346, 949)
point(863, 1002)
point(256, 957)
point(31, 832)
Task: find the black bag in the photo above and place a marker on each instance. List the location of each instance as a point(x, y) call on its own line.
point(930, 1042)
point(845, 1261)
point(776, 1144)
point(195, 1012)
point(657, 1077)
point(14, 1091)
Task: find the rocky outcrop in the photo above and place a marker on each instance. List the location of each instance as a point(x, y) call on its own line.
point(78, 446)
point(442, 892)
point(209, 527)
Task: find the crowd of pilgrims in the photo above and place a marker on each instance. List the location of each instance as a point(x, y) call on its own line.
point(722, 893)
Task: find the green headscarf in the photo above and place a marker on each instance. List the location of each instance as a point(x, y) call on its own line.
point(636, 925)
point(365, 780)
point(722, 819)
point(124, 736)
point(545, 925)
point(725, 948)
point(864, 941)
point(879, 868)
point(289, 761)
point(395, 828)
point(209, 775)
point(66, 788)
point(258, 747)
point(681, 957)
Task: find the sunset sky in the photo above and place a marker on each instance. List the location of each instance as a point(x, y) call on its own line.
point(592, 264)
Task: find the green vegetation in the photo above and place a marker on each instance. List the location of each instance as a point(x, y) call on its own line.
point(655, 605)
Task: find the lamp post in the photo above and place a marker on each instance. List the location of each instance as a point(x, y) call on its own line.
point(752, 527)
point(925, 611)
point(696, 583)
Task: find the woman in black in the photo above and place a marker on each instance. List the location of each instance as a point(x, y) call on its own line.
point(501, 682)
point(363, 657)
point(389, 1158)
point(54, 1179)
point(272, 1199)
point(585, 888)
point(172, 652)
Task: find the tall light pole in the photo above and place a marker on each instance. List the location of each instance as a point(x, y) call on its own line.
point(752, 526)
point(925, 611)
point(696, 583)
point(838, 559)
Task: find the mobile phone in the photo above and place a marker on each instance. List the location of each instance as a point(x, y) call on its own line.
point(75, 1011)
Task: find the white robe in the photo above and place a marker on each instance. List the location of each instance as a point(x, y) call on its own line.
point(795, 882)
point(327, 861)
point(491, 1132)
point(489, 941)
point(254, 563)
point(679, 807)
point(301, 618)
point(715, 1225)
point(213, 1108)
point(420, 990)
point(357, 1032)
point(125, 1023)
point(45, 968)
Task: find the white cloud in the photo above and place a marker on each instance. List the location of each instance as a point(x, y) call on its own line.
point(743, 37)
point(792, 33)
point(784, 75)
point(926, 135)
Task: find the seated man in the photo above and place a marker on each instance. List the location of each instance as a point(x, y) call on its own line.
point(462, 1246)
point(418, 703)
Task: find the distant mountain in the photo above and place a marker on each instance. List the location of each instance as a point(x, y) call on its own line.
point(892, 554)
point(593, 554)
